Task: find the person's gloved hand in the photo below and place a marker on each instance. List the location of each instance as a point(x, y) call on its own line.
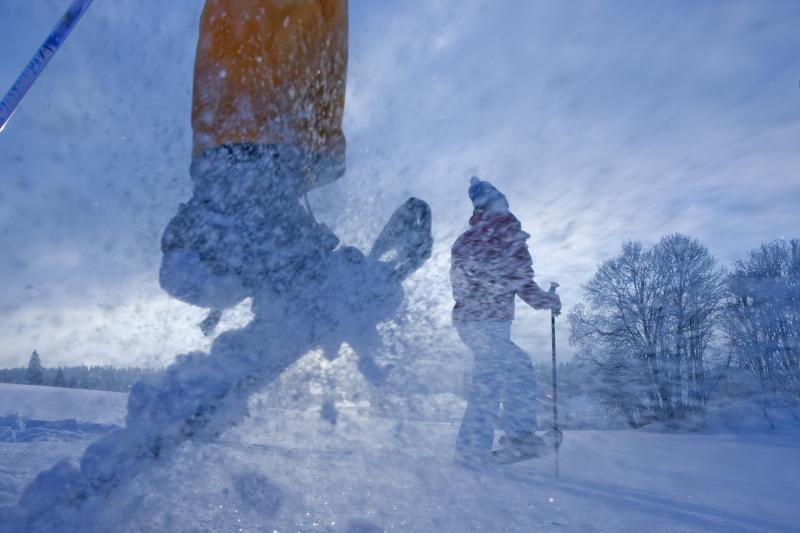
point(555, 306)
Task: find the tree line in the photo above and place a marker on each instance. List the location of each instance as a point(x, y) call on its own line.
point(104, 377)
point(662, 325)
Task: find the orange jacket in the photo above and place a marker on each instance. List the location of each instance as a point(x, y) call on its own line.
point(273, 72)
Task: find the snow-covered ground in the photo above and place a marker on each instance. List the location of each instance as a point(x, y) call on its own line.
point(295, 471)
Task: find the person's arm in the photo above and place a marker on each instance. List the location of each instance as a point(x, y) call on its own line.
point(526, 288)
point(539, 298)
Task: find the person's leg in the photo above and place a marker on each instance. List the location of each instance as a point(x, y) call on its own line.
point(520, 390)
point(476, 433)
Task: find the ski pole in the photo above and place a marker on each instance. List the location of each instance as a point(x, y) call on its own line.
point(556, 431)
point(36, 65)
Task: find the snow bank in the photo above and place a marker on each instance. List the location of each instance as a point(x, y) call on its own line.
point(293, 471)
point(751, 416)
point(19, 429)
point(55, 403)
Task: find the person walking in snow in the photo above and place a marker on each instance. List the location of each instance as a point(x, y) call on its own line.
point(490, 265)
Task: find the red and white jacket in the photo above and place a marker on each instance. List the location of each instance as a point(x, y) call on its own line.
point(490, 264)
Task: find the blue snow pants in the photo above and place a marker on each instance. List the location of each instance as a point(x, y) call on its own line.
point(501, 374)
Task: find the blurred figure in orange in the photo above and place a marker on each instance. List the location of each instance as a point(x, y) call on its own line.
point(268, 101)
point(270, 75)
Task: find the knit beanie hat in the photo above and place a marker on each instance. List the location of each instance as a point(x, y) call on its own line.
point(483, 193)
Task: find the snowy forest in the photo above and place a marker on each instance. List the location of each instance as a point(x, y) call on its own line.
point(103, 377)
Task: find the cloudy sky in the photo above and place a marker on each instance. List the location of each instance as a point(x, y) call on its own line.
point(601, 121)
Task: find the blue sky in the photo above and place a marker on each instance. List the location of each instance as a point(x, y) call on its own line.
point(601, 121)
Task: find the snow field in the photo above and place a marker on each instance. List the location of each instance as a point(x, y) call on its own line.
point(290, 470)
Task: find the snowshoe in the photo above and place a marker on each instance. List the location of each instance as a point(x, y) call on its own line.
point(530, 446)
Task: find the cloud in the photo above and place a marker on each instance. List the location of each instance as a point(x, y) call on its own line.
point(601, 121)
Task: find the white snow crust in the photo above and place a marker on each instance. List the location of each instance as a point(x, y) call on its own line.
point(292, 470)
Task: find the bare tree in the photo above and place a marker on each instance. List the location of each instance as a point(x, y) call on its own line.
point(648, 323)
point(694, 291)
point(619, 328)
point(764, 318)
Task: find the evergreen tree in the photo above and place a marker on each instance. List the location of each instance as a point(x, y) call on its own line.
point(59, 380)
point(35, 373)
